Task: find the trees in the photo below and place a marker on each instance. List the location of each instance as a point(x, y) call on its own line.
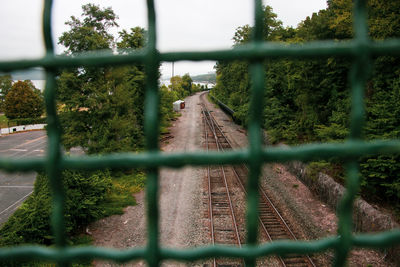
point(102, 108)
point(187, 83)
point(233, 80)
point(91, 33)
point(5, 87)
point(22, 101)
point(181, 86)
point(309, 100)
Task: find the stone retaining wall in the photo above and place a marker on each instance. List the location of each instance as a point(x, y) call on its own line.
point(366, 217)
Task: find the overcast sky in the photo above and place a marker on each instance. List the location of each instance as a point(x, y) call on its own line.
point(182, 24)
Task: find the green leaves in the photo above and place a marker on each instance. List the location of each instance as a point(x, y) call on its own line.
point(135, 39)
point(86, 192)
point(22, 101)
point(5, 87)
point(101, 109)
point(91, 33)
point(309, 100)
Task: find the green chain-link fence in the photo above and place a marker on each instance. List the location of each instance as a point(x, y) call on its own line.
point(361, 49)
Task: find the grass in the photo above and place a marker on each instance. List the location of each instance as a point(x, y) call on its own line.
point(3, 121)
point(124, 185)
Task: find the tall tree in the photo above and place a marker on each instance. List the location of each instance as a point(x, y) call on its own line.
point(91, 33)
point(23, 102)
point(5, 87)
point(101, 107)
point(187, 83)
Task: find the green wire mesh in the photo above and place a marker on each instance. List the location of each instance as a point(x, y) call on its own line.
point(361, 49)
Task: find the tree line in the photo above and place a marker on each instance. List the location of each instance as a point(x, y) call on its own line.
point(309, 100)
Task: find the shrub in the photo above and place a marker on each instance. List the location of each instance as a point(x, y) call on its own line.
point(85, 192)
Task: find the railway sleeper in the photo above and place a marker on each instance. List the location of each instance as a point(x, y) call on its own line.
point(221, 215)
point(297, 264)
point(222, 192)
point(229, 265)
point(219, 197)
point(275, 225)
point(269, 217)
point(221, 205)
point(270, 221)
point(278, 235)
point(272, 224)
point(220, 202)
point(295, 260)
point(276, 231)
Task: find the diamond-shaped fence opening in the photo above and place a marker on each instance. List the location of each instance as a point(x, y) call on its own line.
point(360, 49)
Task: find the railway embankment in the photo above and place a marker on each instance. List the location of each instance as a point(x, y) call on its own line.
point(366, 217)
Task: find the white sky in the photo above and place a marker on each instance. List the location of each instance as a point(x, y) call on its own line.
point(182, 24)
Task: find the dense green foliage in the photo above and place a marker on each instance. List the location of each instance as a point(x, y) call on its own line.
point(5, 87)
point(27, 121)
point(23, 101)
point(308, 100)
point(31, 222)
point(181, 87)
point(101, 108)
point(90, 195)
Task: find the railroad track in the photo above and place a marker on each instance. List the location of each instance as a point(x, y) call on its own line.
point(273, 225)
point(223, 225)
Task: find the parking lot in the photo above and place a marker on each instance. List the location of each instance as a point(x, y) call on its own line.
point(16, 187)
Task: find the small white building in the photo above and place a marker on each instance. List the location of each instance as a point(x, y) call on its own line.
point(178, 105)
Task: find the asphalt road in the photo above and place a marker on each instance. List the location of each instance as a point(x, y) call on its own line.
point(16, 187)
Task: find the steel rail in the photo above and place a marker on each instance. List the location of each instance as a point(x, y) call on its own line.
point(242, 185)
point(287, 228)
point(227, 189)
point(210, 212)
point(263, 195)
point(234, 223)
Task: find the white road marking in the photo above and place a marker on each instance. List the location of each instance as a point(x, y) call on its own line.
point(16, 202)
point(22, 150)
point(32, 141)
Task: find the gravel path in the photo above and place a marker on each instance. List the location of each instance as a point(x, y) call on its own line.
point(181, 218)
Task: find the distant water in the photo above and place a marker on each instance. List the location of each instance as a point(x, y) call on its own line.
point(167, 83)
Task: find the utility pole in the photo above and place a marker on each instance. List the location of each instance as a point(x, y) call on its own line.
point(172, 84)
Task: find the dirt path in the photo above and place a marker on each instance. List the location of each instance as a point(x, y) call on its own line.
point(180, 198)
